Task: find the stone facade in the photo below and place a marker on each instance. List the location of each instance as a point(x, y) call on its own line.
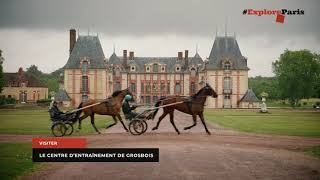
point(89, 75)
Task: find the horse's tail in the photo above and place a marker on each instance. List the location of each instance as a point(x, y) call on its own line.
point(79, 112)
point(157, 105)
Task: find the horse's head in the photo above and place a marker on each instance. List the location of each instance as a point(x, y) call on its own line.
point(208, 90)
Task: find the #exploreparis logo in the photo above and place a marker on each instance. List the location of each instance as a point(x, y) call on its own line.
point(280, 14)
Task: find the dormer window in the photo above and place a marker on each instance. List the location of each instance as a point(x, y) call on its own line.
point(227, 65)
point(155, 67)
point(133, 68)
point(148, 69)
point(193, 72)
point(84, 67)
point(163, 69)
point(117, 71)
point(178, 68)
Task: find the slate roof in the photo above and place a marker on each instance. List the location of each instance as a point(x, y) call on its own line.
point(226, 47)
point(140, 62)
point(15, 80)
point(87, 46)
point(62, 95)
point(249, 97)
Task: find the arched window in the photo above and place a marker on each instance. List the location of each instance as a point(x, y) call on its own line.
point(84, 67)
point(193, 72)
point(227, 83)
point(227, 66)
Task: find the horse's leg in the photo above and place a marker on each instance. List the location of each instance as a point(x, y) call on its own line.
point(172, 122)
point(124, 126)
point(204, 123)
point(80, 120)
point(160, 119)
point(194, 117)
point(92, 123)
point(115, 122)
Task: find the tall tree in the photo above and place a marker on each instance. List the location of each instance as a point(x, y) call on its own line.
point(297, 73)
point(33, 69)
point(2, 83)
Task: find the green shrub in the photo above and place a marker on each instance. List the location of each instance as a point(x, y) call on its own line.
point(9, 100)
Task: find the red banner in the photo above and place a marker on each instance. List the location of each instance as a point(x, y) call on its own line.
point(59, 143)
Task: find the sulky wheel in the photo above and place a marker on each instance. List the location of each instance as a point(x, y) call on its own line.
point(69, 128)
point(136, 127)
point(145, 125)
point(58, 129)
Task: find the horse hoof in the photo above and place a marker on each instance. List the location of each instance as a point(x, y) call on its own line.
point(208, 133)
point(178, 133)
point(155, 128)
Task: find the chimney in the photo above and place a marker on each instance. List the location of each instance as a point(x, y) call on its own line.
point(73, 37)
point(131, 55)
point(180, 54)
point(186, 60)
point(125, 58)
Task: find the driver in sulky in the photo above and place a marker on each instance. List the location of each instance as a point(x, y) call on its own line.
point(127, 109)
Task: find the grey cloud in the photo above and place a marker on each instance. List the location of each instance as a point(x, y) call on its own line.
point(141, 17)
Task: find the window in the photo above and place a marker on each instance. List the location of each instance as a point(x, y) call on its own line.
point(84, 98)
point(148, 99)
point(178, 88)
point(155, 98)
point(168, 88)
point(155, 87)
point(117, 86)
point(193, 72)
point(162, 88)
point(227, 66)
point(193, 88)
point(23, 84)
point(155, 67)
point(163, 69)
point(148, 69)
point(84, 83)
point(133, 68)
point(178, 68)
point(142, 87)
point(117, 73)
point(142, 99)
point(148, 88)
point(84, 67)
point(227, 83)
point(133, 87)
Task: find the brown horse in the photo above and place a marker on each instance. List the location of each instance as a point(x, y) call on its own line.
point(193, 105)
point(111, 106)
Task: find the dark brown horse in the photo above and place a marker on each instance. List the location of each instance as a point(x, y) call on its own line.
point(111, 106)
point(193, 105)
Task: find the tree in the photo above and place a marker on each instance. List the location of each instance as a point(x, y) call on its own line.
point(264, 84)
point(33, 70)
point(296, 73)
point(2, 83)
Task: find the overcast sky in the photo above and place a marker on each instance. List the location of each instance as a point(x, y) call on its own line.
point(37, 31)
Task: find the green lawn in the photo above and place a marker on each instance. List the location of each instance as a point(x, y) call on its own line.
point(276, 122)
point(314, 151)
point(15, 160)
point(17, 121)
